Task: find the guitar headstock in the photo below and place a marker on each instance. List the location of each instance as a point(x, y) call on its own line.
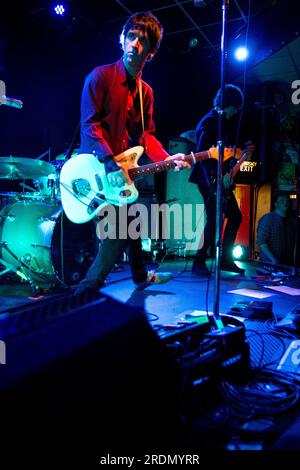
point(229, 152)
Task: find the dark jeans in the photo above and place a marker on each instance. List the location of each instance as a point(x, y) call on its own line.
point(110, 251)
point(231, 211)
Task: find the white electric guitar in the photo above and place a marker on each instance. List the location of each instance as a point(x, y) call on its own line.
point(85, 190)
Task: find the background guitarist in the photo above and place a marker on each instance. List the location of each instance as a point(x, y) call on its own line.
point(204, 175)
point(116, 114)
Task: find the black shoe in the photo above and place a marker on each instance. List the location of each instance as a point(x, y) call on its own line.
point(232, 267)
point(200, 269)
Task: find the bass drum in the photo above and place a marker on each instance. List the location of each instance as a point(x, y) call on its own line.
point(37, 239)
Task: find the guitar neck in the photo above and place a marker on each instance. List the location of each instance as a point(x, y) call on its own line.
point(237, 166)
point(158, 167)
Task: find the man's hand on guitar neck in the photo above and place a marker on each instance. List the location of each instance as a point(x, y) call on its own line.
point(115, 175)
point(179, 160)
point(116, 178)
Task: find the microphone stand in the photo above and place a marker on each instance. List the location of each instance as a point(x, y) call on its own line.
point(229, 336)
point(216, 322)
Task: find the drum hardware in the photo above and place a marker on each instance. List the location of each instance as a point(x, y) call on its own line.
point(8, 267)
point(47, 219)
point(27, 198)
point(48, 187)
point(10, 217)
point(11, 268)
point(35, 245)
point(9, 194)
point(26, 186)
point(20, 273)
point(63, 156)
point(158, 250)
point(28, 260)
point(47, 152)
point(22, 267)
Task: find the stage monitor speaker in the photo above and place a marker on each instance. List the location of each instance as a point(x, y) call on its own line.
point(95, 377)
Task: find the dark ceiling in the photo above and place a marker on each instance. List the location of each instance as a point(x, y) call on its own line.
point(271, 21)
point(44, 59)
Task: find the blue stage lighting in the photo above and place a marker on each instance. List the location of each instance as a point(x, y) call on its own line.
point(241, 53)
point(59, 9)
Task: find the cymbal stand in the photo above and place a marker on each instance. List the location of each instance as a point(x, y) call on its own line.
point(19, 272)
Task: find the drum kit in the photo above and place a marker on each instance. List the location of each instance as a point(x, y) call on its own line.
point(38, 244)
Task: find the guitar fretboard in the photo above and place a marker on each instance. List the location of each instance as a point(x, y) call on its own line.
point(158, 167)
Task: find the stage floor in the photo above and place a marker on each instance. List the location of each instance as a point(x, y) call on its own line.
point(172, 306)
point(170, 302)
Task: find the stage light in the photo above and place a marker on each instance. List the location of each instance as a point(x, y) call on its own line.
point(241, 53)
point(59, 9)
point(238, 252)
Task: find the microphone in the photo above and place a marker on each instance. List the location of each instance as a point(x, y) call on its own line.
point(11, 102)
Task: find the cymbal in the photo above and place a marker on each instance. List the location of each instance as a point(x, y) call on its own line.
point(24, 168)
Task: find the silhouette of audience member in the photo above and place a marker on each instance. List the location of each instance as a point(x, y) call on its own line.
point(276, 233)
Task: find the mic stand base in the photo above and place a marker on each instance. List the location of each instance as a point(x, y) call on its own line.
point(228, 335)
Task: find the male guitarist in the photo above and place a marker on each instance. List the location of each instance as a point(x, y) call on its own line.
point(204, 175)
point(116, 114)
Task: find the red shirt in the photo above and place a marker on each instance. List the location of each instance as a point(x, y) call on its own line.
point(104, 114)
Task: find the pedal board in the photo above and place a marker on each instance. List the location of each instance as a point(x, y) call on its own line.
point(254, 310)
point(206, 354)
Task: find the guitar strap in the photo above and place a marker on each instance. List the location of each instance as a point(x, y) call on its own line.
point(74, 142)
point(142, 113)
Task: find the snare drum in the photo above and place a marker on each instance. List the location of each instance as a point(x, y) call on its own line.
point(39, 240)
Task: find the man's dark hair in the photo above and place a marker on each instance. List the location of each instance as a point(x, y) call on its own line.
point(280, 194)
point(146, 22)
point(233, 96)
